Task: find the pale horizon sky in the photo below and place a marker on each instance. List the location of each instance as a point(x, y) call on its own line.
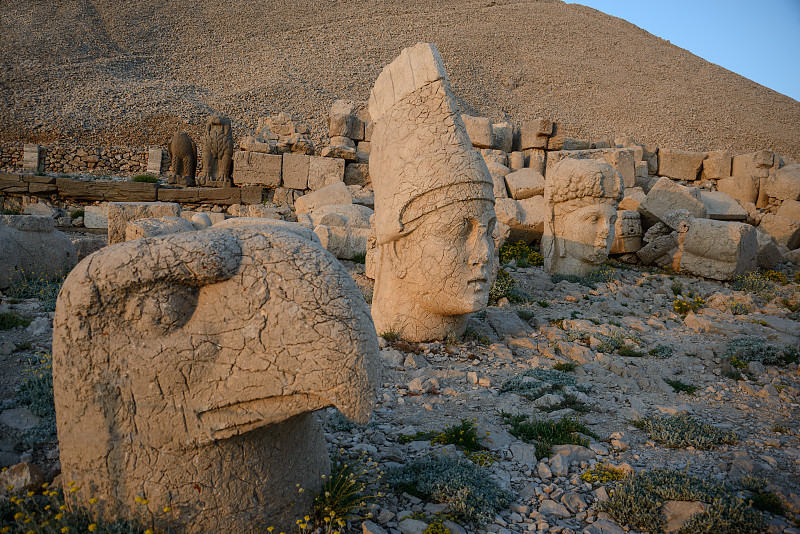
point(757, 40)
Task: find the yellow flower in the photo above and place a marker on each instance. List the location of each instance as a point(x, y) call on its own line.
point(145, 501)
point(8, 529)
point(64, 529)
point(167, 509)
point(30, 494)
point(93, 500)
point(62, 507)
point(18, 516)
point(307, 518)
point(72, 483)
point(270, 529)
point(92, 527)
point(137, 500)
point(58, 516)
point(47, 507)
point(73, 489)
point(148, 531)
point(45, 485)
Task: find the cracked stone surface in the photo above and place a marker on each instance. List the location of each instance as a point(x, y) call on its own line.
point(185, 368)
point(434, 203)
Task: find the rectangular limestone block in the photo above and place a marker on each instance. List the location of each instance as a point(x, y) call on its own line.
point(717, 165)
point(722, 207)
point(619, 158)
point(12, 183)
point(32, 157)
point(155, 157)
point(95, 216)
point(524, 183)
point(120, 213)
point(536, 159)
point(190, 195)
point(680, 164)
point(666, 196)
point(557, 138)
point(36, 188)
point(295, 171)
point(754, 165)
point(220, 195)
point(534, 134)
point(324, 171)
point(99, 190)
point(357, 174)
point(790, 209)
point(785, 231)
point(502, 136)
point(251, 194)
point(479, 130)
point(783, 184)
point(719, 250)
point(257, 168)
point(576, 144)
point(742, 188)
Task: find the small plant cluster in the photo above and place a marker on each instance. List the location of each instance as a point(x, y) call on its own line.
point(754, 349)
point(565, 367)
point(347, 493)
point(738, 308)
point(465, 487)
point(30, 286)
point(36, 392)
point(77, 213)
point(661, 351)
point(44, 512)
point(603, 274)
point(683, 304)
point(534, 383)
point(521, 254)
point(615, 342)
point(545, 433)
point(505, 287)
point(471, 334)
point(464, 436)
point(602, 474)
point(9, 320)
point(683, 430)
point(760, 497)
point(361, 258)
point(145, 178)
point(680, 386)
point(755, 283)
point(638, 499)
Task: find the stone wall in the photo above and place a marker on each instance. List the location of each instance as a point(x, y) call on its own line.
point(71, 159)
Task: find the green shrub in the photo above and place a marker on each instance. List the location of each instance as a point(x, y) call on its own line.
point(347, 491)
point(544, 433)
point(564, 367)
point(683, 304)
point(525, 315)
point(465, 487)
point(29, 286)
point(683, 430)
point(521, 253)
point(77, 213)
point(754, 282)
point(755, 349)
point(9, 320)
point(680, 386)
point(534, 383)
point(661, 351)
point(570, 401)
point(473, 335)
point(505, 287)
point(146, 178)
point(604, 273)
point(361, 258)
point(638, 499)
point(739, 308)
point(463, 435)
point(602, 473)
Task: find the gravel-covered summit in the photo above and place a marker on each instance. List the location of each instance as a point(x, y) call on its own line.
point(133, 72)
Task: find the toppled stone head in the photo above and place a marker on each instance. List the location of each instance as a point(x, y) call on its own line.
point(185, 368)
point(434, 203)
point(582, 196)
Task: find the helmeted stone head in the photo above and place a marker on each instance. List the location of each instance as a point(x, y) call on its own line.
point(434, 203)
point(582, 196)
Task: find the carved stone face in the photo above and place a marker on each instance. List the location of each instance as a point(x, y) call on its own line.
point(447, 259)
point(587, 233)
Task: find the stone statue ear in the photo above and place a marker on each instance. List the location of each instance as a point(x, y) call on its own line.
point(395, 256)
point(562, 251)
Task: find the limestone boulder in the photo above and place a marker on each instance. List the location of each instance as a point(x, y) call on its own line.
point(351, 215)
point(666, 196)
point(257, 168)
point(268, 225)
point(680, 164)
point(31, 246)
point(753, 165)
point(769, 254)
point(336, 193)
point(722, 207)
point(534, 133)
point(121, 213)
point(660, 251)
point(324, 171)
point(95, 216)
point(634, 196)
point(785, 231)
point(784, 184)
point(525, 218)
point(155, 227)
point(215, 348)
point(525, 183)
point(502, 136)
point(357, 174)
point(344, 242)
point(742, 188)
point(790, 209)
point(719, 250)
point(717, 166)
point(344, 120)
point(479, 130)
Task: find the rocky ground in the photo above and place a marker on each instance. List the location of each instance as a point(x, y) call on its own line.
point(132, 73)
point(428, 387)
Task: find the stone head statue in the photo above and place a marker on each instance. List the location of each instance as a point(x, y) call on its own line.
point(434, 203)
point(185, 368)
point(582, 196)
point(217, 153)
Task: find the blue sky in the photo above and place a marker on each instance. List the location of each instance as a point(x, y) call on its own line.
point(759, 40)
